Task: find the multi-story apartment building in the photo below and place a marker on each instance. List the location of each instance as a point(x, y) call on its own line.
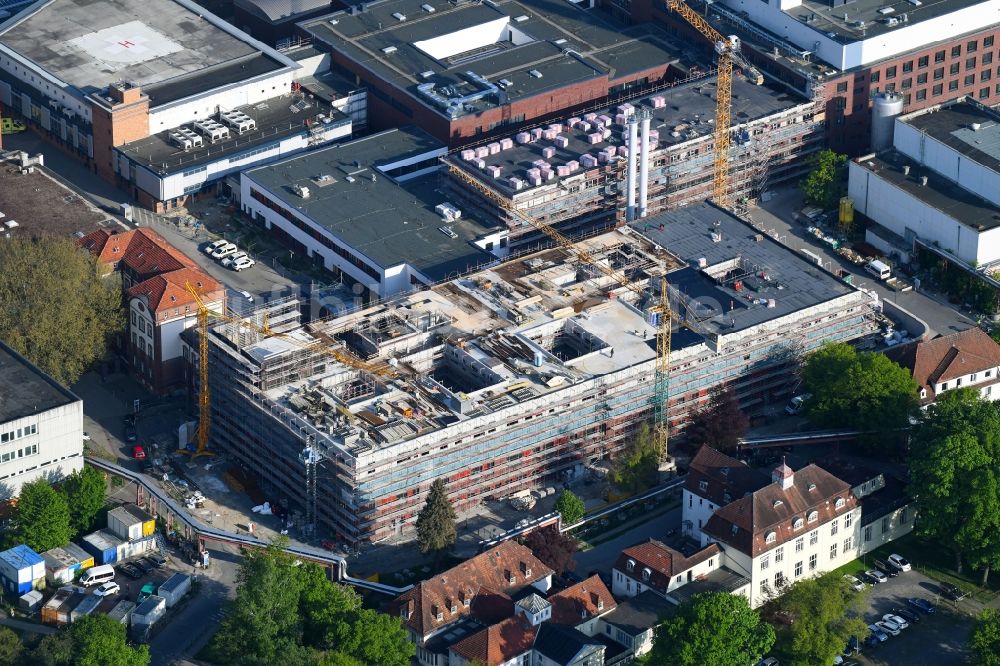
point(520, 375)
point(41, 426)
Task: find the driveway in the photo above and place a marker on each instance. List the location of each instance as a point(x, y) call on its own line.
point(602, 557)
point(939, 639)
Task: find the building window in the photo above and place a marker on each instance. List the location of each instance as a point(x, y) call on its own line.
point(813, 537)
point(921, 78)
point(921, 95)
point(875, 77)
point(985, 75)
point(953, 85)
point(848, 542)
point(944, 386)
point(937, 90)
point(763, 587)
point(848, 520)
point(890, 72)
point(868, 533)
point(953, 69)
point(703, 486)
point(798, 568)
point(765, 562)
point(770, 538)
point(972, 47)
point(813, 516)
point(797, 524)
point(779, 580)
point(970, 64)
point(907, 84)
point(812, 562)
point(987, 58)
point(922, 61)
point(970, 79)
point(800, 544)
point(988, 41)
point(886, 522)
point(908, 66)
point(984, 93)
point(833, 551)
point(939, 73)
point(839, 503)
point(939, 56)
point(842, 87)
point(779, 555)
point(833, 527)
point(956, 51)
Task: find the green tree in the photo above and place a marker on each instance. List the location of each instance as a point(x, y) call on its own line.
point(337, 659)
point(84, 491)
point(713, 628)
point(436, 522)
point(41, 517)
point(570, 507)
point(55, 308)
point(721, 423)
point(323, 603)
point(11, 647)
point(824, 613)
point(53, 650)
point(863, 390)
point(826, 182)
point(954, 459)
point(553, 548)
point(372, 638)
point(100, 641)
point(985, 641)
point(636, 468)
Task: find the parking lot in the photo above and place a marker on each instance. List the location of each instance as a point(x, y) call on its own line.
point(944, 634)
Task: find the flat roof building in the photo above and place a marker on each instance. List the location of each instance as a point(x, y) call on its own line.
point(465, 71)
point(41, 425)
point(371, 209)
point(521, 375)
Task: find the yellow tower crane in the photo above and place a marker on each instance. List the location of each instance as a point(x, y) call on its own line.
point(661, 309)
point(204, 397)
point(728, 50)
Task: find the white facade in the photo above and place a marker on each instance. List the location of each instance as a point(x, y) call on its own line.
point(695, 512)
point(630, 583)
point(975, 380)
point(781, 18)
point(45, 445)
point(887, 528)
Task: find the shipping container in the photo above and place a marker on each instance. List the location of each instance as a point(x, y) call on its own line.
point(122, 612)
point(85, 559)
point(85, 607)
point(21, 570)
point(60, 566)
point(57, 610)
point(30, 602)
point(174, 588)
point(131, 522)
point(149, 611)
point(104, 546)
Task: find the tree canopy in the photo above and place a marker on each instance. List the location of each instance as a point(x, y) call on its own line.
point(713, 628)
point(826, 181)
point(291, 613)
point(955, 476)
point(553, 548)
point(55, 307)
point(85, 495)
point(636, 468)
point(851, 389)
point(93, 640)
point(436, 522)
point(11, 648)
point(985, 641)
point(824, 613)
point(720, 423)
point(40, 517)
point(570, 507)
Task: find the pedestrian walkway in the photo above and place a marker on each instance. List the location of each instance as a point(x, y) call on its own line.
point(29, 627)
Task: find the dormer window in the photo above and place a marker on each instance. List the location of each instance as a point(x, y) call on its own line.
point(839, 504)
point(600, 604)
point(727, 498)
point(923, 393)
point(771, 537)
point(797, 524)
point(813, 516)
point(735, 530)
point(703, 486)
point(777, 503)
point(630, 565)
point(646, 573)
point(436, 612)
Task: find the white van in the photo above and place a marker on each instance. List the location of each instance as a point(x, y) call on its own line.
point(794, 405)
point(878, 269)
point(97, 575)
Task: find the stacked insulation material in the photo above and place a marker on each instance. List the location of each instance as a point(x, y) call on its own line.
point(468, 154)
point(494, 147)
point(493, 170)
point(506, 143)
point(548, 152)
point(658, 101)
point(595, 138)
point(588, 161)
point(561, 141)
point(522, 138)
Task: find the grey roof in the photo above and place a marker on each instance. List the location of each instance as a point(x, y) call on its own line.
point(640, 613)
point(951, 124)
point(953, 200)
point(77, 41)
point(328, 86)
point(25, 390)
point(533, 603)
point(828, 18)
point(563, 644)
point(277, 118)
point(722, 579)
point(390, 223)
point(130, 512)
point(281, 10)
point(175, 581)
point(779, 281)
point(562, 43)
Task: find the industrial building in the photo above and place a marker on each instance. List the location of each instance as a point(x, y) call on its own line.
point(371, 210)
point(160, 97)
point(937, 187)
point(845, 53)
point(41, 425)
point(638, 158)
point(516, 377)
point(465, 71)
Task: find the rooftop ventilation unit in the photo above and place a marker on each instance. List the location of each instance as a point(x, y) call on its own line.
point(185, 138)
point(427, 8)
point(559, 42)
point(214, 130)
point(915, 3)
point(239, 121)
point(520, 19)
point(503, 83)
point(399, 16)
point(885, 11)
point(301, 190)
point(447, 231)
point(535, 73)
point(389, 49)
point(426, 75)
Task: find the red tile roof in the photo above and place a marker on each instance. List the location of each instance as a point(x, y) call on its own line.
point(662, 561)
point(169, 290)
point(947, 357)
point(581, 602)
point(488, 573)
point(745, 523)
point(720, 478)
point(499, 643)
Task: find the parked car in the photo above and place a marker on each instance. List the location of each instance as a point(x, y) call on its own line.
point(240, 264)
point(899, 562)
point(130, 570)
point(888, 627)
point(145, 566)
point(853, 647)
point(922, 605)
point(871, 640)
point(148, 590)
point(213, 246)
point(228, 261)
point(953, 592)
point(148, 561)
point(885, 568)
point(865, 578)
point(224, 251)
point(855, 584)
point(157, 560)
point(877, 575)
point(130, 433)
point(907, 615)
point(878, 633)
point(895, 619)
point(138, 453)
point(770, 661)
point(107, 589)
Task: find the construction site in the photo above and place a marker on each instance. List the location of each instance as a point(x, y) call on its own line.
point(653, 154)
point(518, 377)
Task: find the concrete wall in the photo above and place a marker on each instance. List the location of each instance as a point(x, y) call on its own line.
point(886, 528)
point(59, 442)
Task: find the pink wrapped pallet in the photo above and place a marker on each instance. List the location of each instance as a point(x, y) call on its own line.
point(522, 138)
point(506, 143)
point(493, 170)
point(606, 134)
point(588, 161)
point(482, 151)
point(626, 109)
point(548, 152)
point(561, 141)
point(603, 157)
point(494, 147)
point(549, 134)
point(610, 151)
point(605, 119)
point(536, 133)
point(590, 117)
point(573, 166)
point(541, 164)
point(534, 181)
point(556, 127)
point(479, 163)
point(516, 183)
point(620, 119)
point(468, 155)
point(563, 170)
point(658, 101)
point(573, 121)
point(595, 138)
point(534, 173)
point(623, 151)
point(583, 126)
point(654, 135)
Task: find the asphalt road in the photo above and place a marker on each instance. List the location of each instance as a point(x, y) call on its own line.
point(777, 215)
point(603, 556)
